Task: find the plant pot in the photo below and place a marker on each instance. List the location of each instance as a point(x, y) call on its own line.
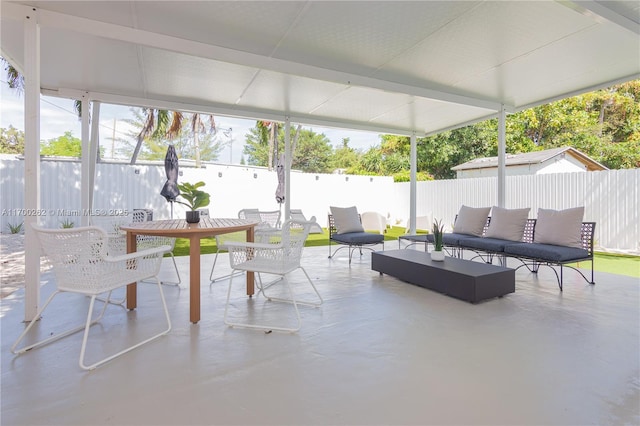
point(437, 256)
point(193, 216)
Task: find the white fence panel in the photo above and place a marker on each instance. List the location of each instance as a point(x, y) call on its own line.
point(122, 188)
point(611, 198)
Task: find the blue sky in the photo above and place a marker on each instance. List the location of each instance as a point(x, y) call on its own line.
point(58, 117)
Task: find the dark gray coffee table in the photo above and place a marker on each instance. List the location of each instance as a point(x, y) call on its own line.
point(459, 278)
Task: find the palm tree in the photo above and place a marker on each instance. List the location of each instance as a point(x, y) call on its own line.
point(269, 132)
point(161, 123)
point(15, 80)
point(158, 123)
point(270, 127)
point(198, 126)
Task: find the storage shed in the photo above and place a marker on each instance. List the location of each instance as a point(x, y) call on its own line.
point(556, 160)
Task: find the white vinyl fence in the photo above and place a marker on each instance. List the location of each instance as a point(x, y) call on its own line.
point(122, 188)
point(611, 198)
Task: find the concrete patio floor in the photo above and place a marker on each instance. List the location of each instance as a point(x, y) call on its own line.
point(379, 351)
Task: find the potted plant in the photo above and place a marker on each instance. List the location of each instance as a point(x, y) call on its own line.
point(438, 228)
point(195, 199)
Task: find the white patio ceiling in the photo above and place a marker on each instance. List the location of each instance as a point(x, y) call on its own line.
point(391, 67)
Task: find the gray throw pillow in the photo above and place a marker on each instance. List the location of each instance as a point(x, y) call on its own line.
point(471, 220)
point(559, 227)
point(346, 219)
point(507, 224)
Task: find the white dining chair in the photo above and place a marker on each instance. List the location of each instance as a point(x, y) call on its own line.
point(81, 264)
point(280, 256)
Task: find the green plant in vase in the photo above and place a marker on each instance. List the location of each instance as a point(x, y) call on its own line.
point(194, 198)
point(437, 230)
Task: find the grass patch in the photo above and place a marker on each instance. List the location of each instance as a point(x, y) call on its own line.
point(614, 264)
point(603, 262)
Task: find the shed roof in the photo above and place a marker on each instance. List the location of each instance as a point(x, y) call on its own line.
point(535, 157)
point(384, 66)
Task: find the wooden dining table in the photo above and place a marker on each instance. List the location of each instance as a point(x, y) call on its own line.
point(179, 228)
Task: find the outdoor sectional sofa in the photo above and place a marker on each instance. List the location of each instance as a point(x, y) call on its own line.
point(532, 254)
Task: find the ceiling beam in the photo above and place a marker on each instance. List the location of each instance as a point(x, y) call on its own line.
point(51, 19)
point(228, 110)
point(601, 10)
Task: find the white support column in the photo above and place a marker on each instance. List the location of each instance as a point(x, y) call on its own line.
point(287, 167)
point(31, 162)
point(85, 165)
point(93, 150)
point(413, 186)
point(502, 144)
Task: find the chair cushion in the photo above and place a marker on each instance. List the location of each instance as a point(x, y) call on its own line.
point(358, 238)
point(559, 227)
point(471, 220)
point(507, 224)
point(548, 252)
point(346, 219)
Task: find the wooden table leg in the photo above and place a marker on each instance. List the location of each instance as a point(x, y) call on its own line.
point(250, 274)
point(194, 278)
point(132, 293)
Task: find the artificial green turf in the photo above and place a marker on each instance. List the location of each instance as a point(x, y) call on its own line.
point(603, 262)
point(614, 264)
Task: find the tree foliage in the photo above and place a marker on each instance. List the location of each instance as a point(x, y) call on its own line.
point(312, 152)
point(604, 124)
point(66, 145)
point(11, 141)
point(344, 157)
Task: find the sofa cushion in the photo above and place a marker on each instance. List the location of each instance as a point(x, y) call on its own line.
point(495, 245)
point(346, 219)
point(559, 227)
point(548, 252)
point(450, 238)
point(471, 220)
point(358, 238)
point(507, 224)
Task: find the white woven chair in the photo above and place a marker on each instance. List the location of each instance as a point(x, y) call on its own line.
point(270, 219)
point(118, 239)
point(280, 256)
point(268, 223)
point(296, 214)
point(81, 265)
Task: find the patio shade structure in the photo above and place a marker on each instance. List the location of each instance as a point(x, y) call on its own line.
point(170, 189)
point(408, 68)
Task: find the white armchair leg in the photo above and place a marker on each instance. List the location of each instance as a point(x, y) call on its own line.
point(265, 327)
point(81, 361)
point(55, 337)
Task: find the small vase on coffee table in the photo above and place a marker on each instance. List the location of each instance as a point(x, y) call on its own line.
point(437, 256)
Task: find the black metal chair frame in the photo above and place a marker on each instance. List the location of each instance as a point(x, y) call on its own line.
point(531, 263)
point(586, 234)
